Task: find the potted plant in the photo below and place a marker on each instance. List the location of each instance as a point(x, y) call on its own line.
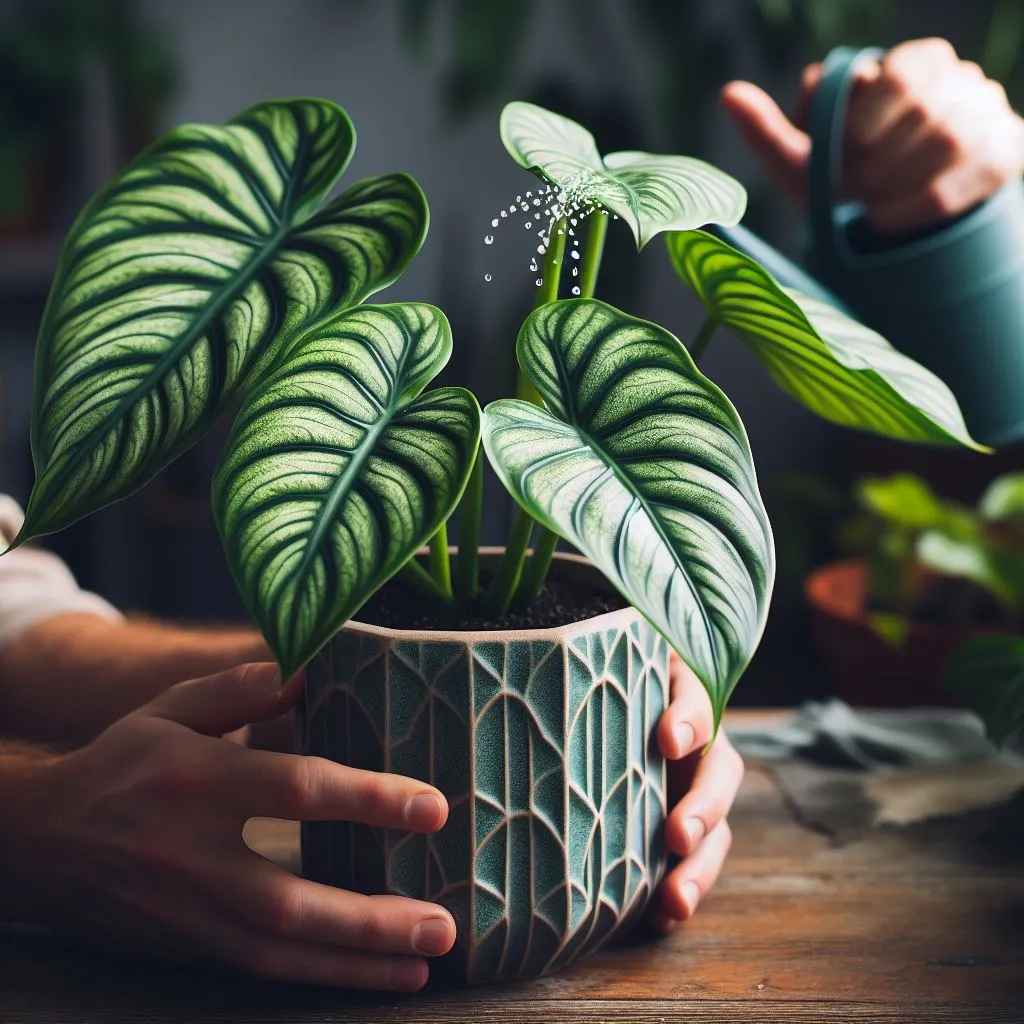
point(926, 574)
point(215, 273)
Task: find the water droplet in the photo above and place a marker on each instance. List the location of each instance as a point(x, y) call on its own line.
point(487, 277)
point(504, 213)
point(488, 239)
point(542, 249)
point(560, 231)
point(528, 194)
point(512, 208)
point(536, 202)
point(575, 289)
point(615, 216)
point(573, 221)
point(529, 224)
point(540, 281)
point(519, 199)
point(533, 264)
point(575, 271)
point(574, 254)
point(524, 207)
point(494, 223)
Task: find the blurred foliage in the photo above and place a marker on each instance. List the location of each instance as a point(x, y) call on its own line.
point(987, 674)
point(45, 53)
point(930, 558)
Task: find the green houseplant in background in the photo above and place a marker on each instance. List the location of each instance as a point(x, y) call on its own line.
point(923, 575)
point(215, 272)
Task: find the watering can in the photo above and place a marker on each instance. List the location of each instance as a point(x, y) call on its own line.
point(951, 298)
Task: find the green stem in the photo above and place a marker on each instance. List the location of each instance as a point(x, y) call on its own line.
point(536, 571)
point(467, 565)
point(419, 579)
point(440, 564)
point(703, 339)
point(592, 253)
point(506, 579)
point(546, 292)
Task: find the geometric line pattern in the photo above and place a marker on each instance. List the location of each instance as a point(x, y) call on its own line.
point(543, 745)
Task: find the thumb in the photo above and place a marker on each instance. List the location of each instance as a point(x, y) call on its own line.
point(783, 148)
point(218, 704)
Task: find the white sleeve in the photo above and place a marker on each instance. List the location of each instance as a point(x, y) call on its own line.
point(35, 585)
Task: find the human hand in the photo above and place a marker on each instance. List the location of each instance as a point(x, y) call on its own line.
point(136, 840)
point(701, 791)
point(928, 136)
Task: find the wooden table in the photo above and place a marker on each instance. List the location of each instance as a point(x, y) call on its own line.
point(923, 924)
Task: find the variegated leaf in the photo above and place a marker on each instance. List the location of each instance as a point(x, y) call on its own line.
point(187, 274)
point(643, 464)
point(836, 367)
point(651, 193)
point(338, 469)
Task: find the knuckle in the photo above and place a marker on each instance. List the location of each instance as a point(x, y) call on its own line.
point(177, 779)
point(284, 909)
point(947, 141)
point(301, 782)
point(375, 931)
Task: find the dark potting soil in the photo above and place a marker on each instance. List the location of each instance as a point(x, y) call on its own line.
point(399, 606)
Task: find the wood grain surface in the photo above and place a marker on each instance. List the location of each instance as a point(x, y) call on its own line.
point(922, 924)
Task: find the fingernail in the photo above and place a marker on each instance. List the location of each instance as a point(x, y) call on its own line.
point(423, 812)
point(432, 937)
point(409, 977)
point(691, 897)
point(685, 737)
point(694, 829)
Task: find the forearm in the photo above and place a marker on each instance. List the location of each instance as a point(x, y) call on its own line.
point(69, 677)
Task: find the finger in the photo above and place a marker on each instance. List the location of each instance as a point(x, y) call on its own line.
point(687, 723)
point(809, 81)
point(783, 148)
point(884, 93)
point(947, 196)
point(224, 702)
point(690, 881)
point(716, 782)
point(262, 783)
point(280, 905)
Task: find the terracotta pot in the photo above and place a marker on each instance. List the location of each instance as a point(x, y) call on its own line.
point(866, 670)
point(542, 741)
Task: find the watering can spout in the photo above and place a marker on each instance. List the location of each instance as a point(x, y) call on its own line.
point(951, 298)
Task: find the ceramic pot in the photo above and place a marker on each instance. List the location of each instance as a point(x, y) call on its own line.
point(866, 670)
point(542, 742)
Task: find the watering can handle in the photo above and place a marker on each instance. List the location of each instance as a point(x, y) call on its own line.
point(827, 124)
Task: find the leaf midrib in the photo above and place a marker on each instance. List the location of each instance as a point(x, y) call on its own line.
point(627, 483)
point(185, 342)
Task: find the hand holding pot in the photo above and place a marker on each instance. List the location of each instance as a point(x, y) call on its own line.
point(136, 841)
point(701, 794)
point(928, 136)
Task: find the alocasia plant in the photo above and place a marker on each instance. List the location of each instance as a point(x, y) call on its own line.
point(214, 268)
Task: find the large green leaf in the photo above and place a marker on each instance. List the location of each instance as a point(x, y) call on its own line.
point(835, 366)
point(187, 274)
point(987, 674)
point(650, 193)
point(643, 464)
point(338, 469)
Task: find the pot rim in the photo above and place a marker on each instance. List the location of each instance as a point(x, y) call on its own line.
point(606, 620)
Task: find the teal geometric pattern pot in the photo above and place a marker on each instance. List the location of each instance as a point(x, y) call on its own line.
point(543, 743)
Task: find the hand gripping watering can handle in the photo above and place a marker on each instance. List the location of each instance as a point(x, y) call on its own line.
point(827, 126)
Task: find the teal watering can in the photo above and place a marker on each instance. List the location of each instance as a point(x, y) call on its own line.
point(951, 298)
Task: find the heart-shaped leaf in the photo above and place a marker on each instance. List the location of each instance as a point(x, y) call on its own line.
point(830, 363)
point(643, 464)
point(187, 274)
point(651, 193)
point(337, 470)
point(987, 674)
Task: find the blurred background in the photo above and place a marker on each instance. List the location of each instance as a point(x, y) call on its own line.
point(84, 84)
